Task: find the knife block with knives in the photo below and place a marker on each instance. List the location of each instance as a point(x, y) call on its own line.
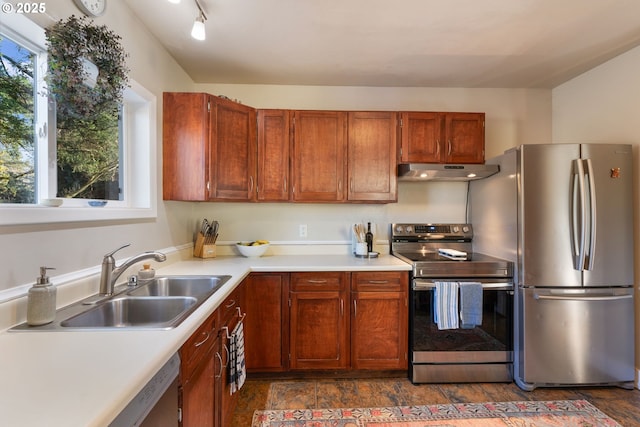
point(205, 244)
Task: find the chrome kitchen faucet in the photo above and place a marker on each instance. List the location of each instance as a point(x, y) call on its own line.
point(110, 272)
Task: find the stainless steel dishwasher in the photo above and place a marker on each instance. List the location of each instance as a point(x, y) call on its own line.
point(157, 403)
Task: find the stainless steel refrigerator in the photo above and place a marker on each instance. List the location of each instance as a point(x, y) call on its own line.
point(563, 214)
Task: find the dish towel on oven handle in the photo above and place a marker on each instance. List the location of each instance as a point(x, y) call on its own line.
point(446, 305)
point(237, 367)
point(470, 304)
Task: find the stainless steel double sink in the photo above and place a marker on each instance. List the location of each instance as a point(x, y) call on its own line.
point(162, 303)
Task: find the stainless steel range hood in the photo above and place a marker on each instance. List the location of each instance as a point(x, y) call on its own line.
point(444, 172)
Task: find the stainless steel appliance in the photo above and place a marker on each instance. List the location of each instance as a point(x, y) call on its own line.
point(444, 172)
point(156, 405)
point(483, 353)
point(563, 214)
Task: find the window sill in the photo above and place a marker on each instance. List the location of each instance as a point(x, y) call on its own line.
point(46, 215)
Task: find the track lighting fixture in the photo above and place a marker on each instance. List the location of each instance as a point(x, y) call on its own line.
point(198, 31)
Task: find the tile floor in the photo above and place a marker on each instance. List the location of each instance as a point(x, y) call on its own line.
point(621, 405)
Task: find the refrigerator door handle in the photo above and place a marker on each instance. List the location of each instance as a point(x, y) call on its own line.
point(589, 257)
point(582, 298)
point(578, 215)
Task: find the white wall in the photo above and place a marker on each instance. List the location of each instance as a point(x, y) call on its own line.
point(513, 116)
point(74, 246)
point(603, 105)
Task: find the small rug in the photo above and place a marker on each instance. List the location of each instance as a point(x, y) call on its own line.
point(492, 414)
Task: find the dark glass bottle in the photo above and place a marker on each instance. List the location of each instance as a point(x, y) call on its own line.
point(369, 238)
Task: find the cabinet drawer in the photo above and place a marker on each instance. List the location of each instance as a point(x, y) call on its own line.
point(320, 281)
point(229, 307)
point(198, 345)
point(379, 281)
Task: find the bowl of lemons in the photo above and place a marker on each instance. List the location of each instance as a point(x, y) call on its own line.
point(253, 249)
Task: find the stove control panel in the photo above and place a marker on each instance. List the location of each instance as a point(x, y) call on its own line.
point(432, 231)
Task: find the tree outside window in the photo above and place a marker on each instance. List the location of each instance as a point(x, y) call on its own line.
point(88, 146)
point(17, 123)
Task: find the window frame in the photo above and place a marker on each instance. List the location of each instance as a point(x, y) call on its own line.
point(139, 162)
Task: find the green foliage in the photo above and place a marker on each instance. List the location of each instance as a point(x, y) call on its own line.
point(17, 178)
point(88, 155)
point(71, 42)
point(87, 117)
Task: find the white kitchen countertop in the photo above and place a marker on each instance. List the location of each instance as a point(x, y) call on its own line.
point(85, 379)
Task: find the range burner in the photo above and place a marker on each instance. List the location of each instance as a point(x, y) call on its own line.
point(419, 245)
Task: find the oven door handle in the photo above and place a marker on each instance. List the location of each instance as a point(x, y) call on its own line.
point(421, 284)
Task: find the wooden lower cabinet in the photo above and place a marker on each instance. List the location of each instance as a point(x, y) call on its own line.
point(200, 366)
point(230, 312)
point(316, 321)
point(379, 320)
point(319, 325)
point(205, 396)
point(266, 343)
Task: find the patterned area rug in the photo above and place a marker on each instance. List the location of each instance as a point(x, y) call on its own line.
point(493, 414)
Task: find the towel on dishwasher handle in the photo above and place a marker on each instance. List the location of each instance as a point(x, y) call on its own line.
point(470, 304)
point(446, 305)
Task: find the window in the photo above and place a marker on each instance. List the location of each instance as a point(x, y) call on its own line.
point(17, 117)
point(45, 153)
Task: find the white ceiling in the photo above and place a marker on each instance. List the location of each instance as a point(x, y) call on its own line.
point(428, 43)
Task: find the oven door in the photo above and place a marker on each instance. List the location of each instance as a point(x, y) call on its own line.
point(482, 353)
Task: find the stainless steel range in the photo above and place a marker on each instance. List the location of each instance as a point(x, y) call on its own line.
point(442, 256)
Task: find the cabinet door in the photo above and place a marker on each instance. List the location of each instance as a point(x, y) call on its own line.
point(230, 312)
point(200, 366)
point(371, 156)
point(233, 151)
point(266, 323)
point(319, 321)
point(199, 393)
point(379, 320)
point(319, 154)
point(465, 138)
point(273, 155)
point(185, 146)
point(318, 330)
point(379, 330)
point(421, 135)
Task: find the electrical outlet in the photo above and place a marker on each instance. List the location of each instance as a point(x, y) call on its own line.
point(303, 230)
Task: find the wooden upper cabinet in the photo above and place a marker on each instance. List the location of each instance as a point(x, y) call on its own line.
point(319, 155)
point(442, 137)
point(372, 156)
point(274, 181)
point(209, 150)
point(465, 138)
point(421, 137)
point(233, 151)
point(185, 134)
